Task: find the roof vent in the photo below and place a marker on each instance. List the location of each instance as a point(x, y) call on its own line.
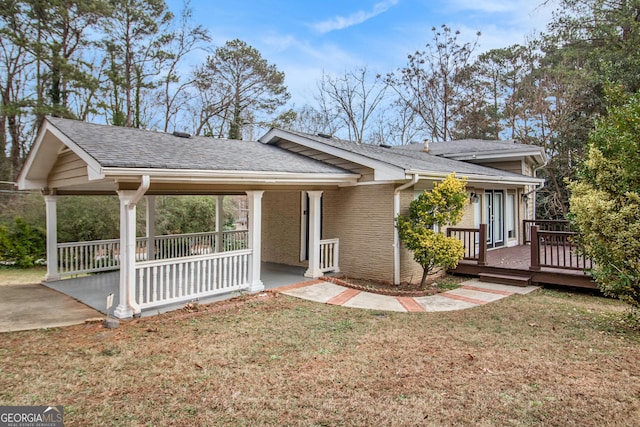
point(426, 146)
point(181, 134)
point(325, 136)
point(385, 146)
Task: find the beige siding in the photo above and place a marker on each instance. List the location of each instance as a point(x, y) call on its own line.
point(69, 167)
point(514, 166)
point(281, 227)
point(362, 218)
point(367, 173)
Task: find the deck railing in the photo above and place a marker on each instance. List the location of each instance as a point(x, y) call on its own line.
point(557, 249)
point(474, 241)
point(329, 255)
point(104, 255)
point(163, 282)
point(543, 225)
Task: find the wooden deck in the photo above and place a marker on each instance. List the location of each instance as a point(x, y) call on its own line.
point(516, 260)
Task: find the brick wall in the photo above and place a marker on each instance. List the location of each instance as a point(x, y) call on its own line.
point(362, 218)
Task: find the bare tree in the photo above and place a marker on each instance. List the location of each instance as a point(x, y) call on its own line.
point(356, 96)
point(182, 41)
point(432, 82)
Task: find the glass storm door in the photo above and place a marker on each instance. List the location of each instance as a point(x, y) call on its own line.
point(494, 217)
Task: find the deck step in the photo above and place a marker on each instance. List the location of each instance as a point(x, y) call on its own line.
point(505, 279)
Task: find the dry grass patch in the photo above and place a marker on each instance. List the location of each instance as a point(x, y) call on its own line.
point(540, 359)
point(17, 276)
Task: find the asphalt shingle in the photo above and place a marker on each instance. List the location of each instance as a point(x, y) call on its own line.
point(114, 146)
point(410, 159)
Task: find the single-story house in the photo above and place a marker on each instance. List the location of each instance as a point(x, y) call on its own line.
point(314, 200)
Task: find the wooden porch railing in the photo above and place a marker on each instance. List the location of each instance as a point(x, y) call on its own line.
point(104, 255)
point(329, 255)
point(556, 249)
point(543, 225)
point(163, 282)
point(474, 241)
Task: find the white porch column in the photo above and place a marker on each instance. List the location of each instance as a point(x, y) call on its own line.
point(255, 239)
point(127, 306)
point(314, 234)
point(52, 238)
point(219, 222)
point(151, 228)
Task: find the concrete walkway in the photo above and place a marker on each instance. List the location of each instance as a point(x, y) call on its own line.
point(471, 293)
point(25, 307)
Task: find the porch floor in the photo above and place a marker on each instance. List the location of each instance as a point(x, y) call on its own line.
point(92, 290)
point(516, 260)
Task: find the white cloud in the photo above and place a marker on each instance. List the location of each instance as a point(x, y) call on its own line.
point(341, 22)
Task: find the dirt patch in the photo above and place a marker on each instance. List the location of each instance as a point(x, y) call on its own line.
point(434, 285)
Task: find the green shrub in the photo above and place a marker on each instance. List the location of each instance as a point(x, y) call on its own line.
point(21, 244)
point(444, 205)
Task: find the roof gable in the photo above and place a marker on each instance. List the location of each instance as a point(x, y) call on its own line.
point(112, 151)
point(395, 163)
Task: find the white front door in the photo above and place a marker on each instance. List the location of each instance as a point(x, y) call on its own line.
point(494, 217)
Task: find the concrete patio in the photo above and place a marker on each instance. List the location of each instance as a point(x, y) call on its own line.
point(93, 289)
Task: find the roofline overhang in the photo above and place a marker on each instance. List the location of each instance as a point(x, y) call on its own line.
point(23, 181)
point(382, 170)
point(228, 176)
point(538, 155)
point(479, 179)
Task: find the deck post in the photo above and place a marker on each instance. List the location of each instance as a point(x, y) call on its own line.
point(535, 248)
point(255, 240)
point(52, 238)
point(151, 228)
point(314, 270)
point(482, 250)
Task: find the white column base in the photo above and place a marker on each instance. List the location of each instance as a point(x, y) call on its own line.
point(123, 311)
point(256, 287)
point(51, 277)
point(313, 274)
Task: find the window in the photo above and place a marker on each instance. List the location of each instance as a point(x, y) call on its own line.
point(511, 216)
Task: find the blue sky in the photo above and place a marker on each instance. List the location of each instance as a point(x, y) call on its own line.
point(304, 38)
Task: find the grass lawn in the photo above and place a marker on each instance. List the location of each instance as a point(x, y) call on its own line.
point(548, 358)
point(19, 276)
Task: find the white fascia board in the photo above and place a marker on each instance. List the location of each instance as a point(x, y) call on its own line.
point(498, 155)
point(382, 171)
point(233, 176)
point(481, 179)
point(24, 183)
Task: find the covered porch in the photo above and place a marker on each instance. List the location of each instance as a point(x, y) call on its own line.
point(157, 272)
point(93, 289)
point(72, 158)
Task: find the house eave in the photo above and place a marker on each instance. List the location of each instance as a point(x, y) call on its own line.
point(382, 170)
point(229, 176)
point(538, 155)
point(479, 179)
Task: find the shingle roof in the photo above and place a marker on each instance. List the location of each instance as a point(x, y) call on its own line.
point(119, 147)
point(470, 146)
point(410, 159)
